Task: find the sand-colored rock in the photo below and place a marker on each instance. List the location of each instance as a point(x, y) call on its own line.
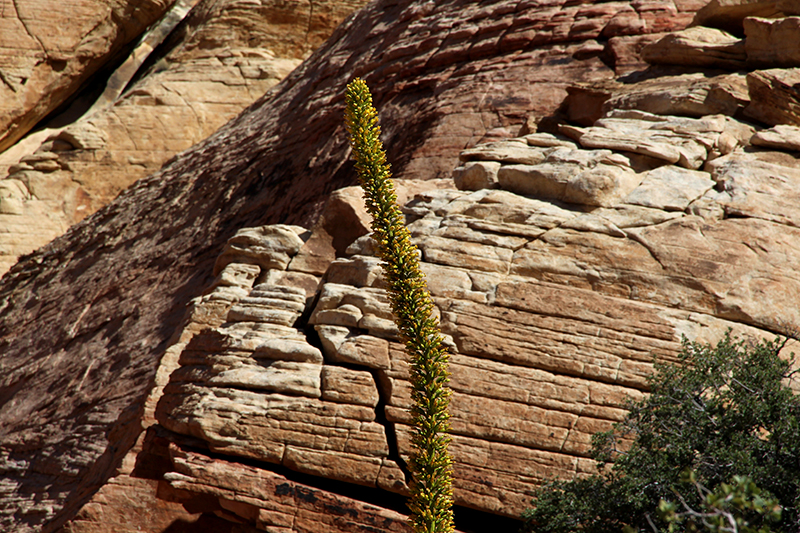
point(93, 313)
point(47, 51)
point(770, 42)
point(782, 137)
point(223, 57)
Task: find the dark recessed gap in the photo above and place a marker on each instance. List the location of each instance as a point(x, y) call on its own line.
point(380, 498)
point(467, 520)
point(389, 428)
point(77, 104)
point(473, 521)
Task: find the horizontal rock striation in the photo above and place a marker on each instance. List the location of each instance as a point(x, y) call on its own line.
point(568, 256)
point(554, 303)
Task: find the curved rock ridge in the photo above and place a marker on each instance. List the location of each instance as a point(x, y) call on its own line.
point(90, 316)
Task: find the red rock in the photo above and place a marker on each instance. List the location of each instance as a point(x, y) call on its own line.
point(85, 320)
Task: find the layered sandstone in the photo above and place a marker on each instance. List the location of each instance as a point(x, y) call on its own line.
point(220, 59)
point(48, 50)
point(570, 253)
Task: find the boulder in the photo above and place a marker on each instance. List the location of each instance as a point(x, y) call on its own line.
point(770, 42)
point(698, 47)
point(729, 15)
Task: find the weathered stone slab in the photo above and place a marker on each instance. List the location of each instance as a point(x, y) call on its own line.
point(730, 14)
point(476, 175)
point(344, 385)
point(266, 426)
point(680, 140)
point(269, 501)
point(500, 477)
point(691, 94)
point(596, 178)
point(266, 246)
point(670, 188)
point(284, 377)
point(467, 255)
point(758, 184)
point(512, 151)
point(772, 43)
point(699, 47)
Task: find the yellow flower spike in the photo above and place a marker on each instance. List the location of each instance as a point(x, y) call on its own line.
point(430, 463)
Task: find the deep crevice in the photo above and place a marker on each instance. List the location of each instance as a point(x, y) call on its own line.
point(389, 427)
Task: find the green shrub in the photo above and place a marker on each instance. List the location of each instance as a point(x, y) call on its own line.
point(431, 502)
point(720, 412)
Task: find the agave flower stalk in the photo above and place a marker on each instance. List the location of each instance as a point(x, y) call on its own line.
point(430, 463)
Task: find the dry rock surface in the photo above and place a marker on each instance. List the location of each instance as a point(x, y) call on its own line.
point(577, 213)
point(221, 58)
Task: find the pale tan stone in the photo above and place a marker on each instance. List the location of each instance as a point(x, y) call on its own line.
point(781, 137)
point(363, 350)
point(499, 477)
point(758, 184)
point(513, 151)
point(356, 270)
point(265, 246)
point(772, 42)
point(476, 175)
point(465, 254)
point(670, 188)
point(691, 94)
point(774, 96)
point(263, 426)
point(344, 385)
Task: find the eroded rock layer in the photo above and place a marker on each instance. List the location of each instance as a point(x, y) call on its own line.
point(562, 259)
point(220, 59)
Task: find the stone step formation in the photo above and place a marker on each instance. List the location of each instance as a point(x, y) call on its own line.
point(636, 205)
point(561, 264)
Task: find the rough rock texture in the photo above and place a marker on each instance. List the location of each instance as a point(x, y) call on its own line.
point(44, 59)
point(222, 57)
point(556, 293)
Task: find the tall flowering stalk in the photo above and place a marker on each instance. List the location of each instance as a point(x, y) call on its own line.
point(431, 502)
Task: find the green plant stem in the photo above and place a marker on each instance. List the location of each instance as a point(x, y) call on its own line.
point(430, 463)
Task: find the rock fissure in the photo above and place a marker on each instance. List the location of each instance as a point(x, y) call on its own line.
point(28, 31)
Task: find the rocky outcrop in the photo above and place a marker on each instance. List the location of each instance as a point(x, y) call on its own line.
point(555, 294)
point(285, 390)
point(44, 60)
point(221, 58)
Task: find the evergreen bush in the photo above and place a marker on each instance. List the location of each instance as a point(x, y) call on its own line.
point(720, 412)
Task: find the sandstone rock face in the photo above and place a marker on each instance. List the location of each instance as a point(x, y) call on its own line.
point(47, 51)
point(221, 59)
point(554, 312)
point(285, 371)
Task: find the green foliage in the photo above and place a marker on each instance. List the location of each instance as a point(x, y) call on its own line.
point(721, 412)
point(432, 488)
point(731, 508)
